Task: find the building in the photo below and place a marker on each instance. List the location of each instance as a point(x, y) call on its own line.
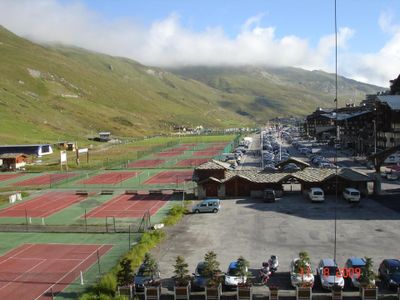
point(214, 179)
point(387, 121)
point(38, 149)
point(13, 161)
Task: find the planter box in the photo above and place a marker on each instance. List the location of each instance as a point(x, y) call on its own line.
point(213, 293)
point(337, 294)
point(273, 294)
point(303, 293)
point(244, 292)
point(125, 291)
point(182, 292)
point(152, 292)
point(369, 293)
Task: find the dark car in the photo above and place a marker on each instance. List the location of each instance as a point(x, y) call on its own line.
point(389, 272)
point(142, 277)
point(269, 195)
point(199, 280)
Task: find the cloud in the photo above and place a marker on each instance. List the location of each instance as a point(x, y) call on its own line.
point(166, 43)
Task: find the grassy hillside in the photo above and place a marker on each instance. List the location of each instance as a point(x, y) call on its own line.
point(272, 91)
point(50, 93)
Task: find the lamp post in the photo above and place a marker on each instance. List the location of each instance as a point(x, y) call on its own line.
point(374, 121)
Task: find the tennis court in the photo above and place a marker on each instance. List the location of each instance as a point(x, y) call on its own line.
point(170, 153)
point(192, 162)
point(39, 271)
point(130, 206)
point(146, 163)
point(42, 206)
point(45, 179)
point(170, 177)
point(109, 178)
point(4, 177)
point(206, 153)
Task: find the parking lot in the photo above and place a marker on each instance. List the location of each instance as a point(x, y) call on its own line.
point(256, 230)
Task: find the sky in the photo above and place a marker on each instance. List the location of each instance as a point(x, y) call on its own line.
point(176, 33)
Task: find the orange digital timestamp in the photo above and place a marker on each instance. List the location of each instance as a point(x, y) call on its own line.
point(342, 272)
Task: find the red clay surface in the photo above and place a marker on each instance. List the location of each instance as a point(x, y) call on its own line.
point(206, 153)
point(42, 206)
point(45, 179)
point(109, 178)
point(192, 162)
point(170, 177)
point(190, 144)
point(32, 271)
point(9, 176)
point(130, 206)
point(146, 163)
point(170, 153)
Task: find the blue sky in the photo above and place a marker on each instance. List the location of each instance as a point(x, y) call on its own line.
point(170, 33)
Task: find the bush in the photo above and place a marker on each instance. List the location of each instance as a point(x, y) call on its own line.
point(107, 284)
point(175, 214)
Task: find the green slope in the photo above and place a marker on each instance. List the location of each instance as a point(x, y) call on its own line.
point(53, 92)
point(262, 92)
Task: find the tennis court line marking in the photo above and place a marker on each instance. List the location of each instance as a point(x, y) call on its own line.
point(25, 272)
point(49, 288)
point(19, 252)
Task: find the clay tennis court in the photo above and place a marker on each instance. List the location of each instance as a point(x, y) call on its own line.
point(146, 163)
point(206, 153)
point(36, 271)
point(42, 206)
point(109, 178)
point(192, 162)
point(9, 176)
point(130, 206)
point(170, 153)
point(170, 177)
point(45, 179)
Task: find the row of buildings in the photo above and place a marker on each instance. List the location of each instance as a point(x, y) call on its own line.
point(372, 126)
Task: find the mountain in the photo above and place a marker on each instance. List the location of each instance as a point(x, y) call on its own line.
point(260, 90)
point(54, 92)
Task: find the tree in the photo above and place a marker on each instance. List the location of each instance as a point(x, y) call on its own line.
point(302, 264)
point(395, 86)
point(150, 266)
point(181, 271)
point(125, 274)
point(211, 269)
point(367, 274)
point(242, 266)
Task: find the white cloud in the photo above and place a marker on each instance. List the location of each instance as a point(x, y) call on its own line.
point(167, 43)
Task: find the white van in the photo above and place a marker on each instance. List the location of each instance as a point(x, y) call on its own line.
point(316, 194)
point(351, 195)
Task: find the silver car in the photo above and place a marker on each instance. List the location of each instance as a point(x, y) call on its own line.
point(208, 205)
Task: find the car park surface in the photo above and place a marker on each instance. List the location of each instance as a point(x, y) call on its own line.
point(255, 230)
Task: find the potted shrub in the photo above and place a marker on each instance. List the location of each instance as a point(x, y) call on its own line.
point(181, 279)
point(244, 288)
point(213, 275)
point(152, 288)
point(304, 289)
point(368, 289)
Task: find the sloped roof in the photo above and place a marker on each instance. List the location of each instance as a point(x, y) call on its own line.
point(392, 100)
point(12, 155)
point(293, 160)
point(313, 174)
point(352, 175)
point(256, 176)
point(214, 165)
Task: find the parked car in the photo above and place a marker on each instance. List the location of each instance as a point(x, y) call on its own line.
point(199, 281)
point(269, 195)
point(316, 194)
point(389, 272)
point(208, 205)
point(142, 277)
point(329, 274)
point(351, 195)
point(232, 276)
point(304, 276)
point(354, 266)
